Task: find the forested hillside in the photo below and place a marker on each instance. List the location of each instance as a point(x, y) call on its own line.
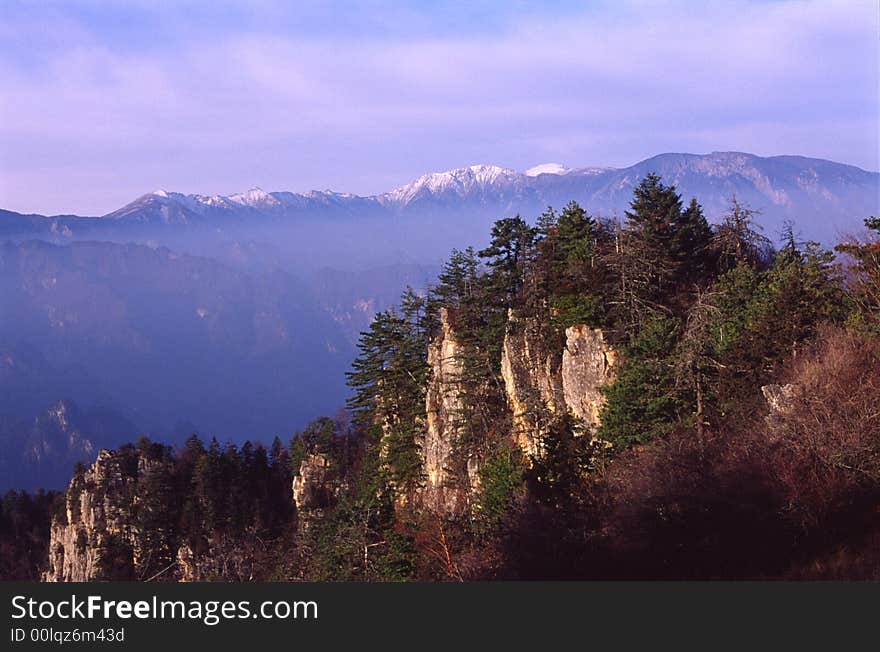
point(583, 398)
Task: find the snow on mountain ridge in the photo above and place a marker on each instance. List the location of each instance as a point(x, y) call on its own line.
point(255, 197)
point(461, 181)
point(547, 168)
point(787, 185)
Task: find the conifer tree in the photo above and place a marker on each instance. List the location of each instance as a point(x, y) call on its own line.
point(507, 256)
point(643, 258)
point(692, 245)
point(456, 283)
point(389, 378)
point(576, 238)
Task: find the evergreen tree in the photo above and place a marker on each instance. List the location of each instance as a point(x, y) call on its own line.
point(209, 491)
point(643, 259)
point(576, 237)
point(653, 220)
point(507, 256)
point(643, 402)
point(457, 281)
point(691, 245)
point(765, 315)
point(157, 515)
point(389, 377)
point(545, 225)
point(577, 274)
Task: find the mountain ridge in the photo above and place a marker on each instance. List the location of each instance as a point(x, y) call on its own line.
point(824, 199)
point(463, 180)
point(482, 175)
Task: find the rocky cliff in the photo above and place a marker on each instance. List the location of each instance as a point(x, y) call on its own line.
point(443, 408)
point(97, 522)
point(108, 529)
point(124, 519)
point(588, 364)
point(314, 487)
point(541, 382)
point(532, 373)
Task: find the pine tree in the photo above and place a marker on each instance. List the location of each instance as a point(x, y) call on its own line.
point(545, 225)
point(643, 402)
point(691, 245)
point(765, 315)
point(576, 237)
point(507, 256)
point(643, 259)
point(207, 480)
point(457, 280)
point(653, 218)
point(577, 274)
point(389, 377)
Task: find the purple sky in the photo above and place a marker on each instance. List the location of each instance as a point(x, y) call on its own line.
point(103, 103)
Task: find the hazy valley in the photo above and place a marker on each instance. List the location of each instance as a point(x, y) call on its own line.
point(237, 316)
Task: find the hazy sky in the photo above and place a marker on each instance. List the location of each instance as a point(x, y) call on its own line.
point(104, 101)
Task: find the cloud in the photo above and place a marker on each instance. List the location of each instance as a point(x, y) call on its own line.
point(205, 100)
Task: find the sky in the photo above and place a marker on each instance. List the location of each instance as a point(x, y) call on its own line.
point(103, 101)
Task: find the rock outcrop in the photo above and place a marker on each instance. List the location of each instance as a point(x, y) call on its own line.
point(443, 406)
point(230, 558)
point(315, 486)
point(541, 382)
point(588, 364)
point(97, 521)
point(119, 523)
point(532, 380)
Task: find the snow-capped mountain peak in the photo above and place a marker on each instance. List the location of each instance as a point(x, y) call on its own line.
point(216, 201)
point(255, 197)
point(823, 194)
point(460, 181)
point(166, 196)
point(547, 168)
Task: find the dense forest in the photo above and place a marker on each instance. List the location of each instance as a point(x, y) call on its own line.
point(739, 436)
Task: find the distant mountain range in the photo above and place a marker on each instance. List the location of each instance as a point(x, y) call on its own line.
point(823, 198)
point(239, 314)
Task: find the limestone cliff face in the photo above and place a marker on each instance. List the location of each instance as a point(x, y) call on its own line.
point(98, 512)
point(588, 364)
point(315, 486)
point(541, 382)
point(443, 408)
point(115, 522)
point(532, 380)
